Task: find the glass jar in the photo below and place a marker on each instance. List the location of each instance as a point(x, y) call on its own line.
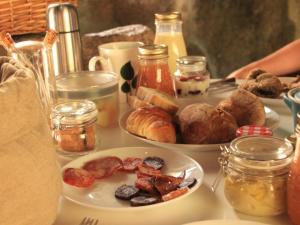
point(154, 70)
point(293, 190)
point(98, 86)
point(169, 32)
point(191, 76)
point(256, 169)
point(74, 126)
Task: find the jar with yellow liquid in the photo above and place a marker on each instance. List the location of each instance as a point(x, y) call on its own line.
point(169, 32)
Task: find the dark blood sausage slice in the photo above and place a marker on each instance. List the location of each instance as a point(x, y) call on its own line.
point(126, 192)
point(145, 184)
point(174, 194)
point(155, 162)
point(188, 182)
point(78, 177)
point(130, 164)
point(165, 184)
point(143, 200)
point(103, 167)
point(148, 170)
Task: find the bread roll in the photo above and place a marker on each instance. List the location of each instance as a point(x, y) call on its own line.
point(246, 107)
point(152, 123)
point(157, 98)
point(204, 124)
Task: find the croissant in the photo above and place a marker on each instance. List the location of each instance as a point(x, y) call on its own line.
point(152, 123)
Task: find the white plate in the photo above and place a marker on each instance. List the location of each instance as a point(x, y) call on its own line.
point(101, 194)
point(225, 222)
point(272, 121)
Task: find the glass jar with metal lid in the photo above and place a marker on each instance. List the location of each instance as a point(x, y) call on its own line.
point(74, 126)
point(153, 68)
point(192, 76)
point(169, 32)
point(101, 87)
point(256, 169)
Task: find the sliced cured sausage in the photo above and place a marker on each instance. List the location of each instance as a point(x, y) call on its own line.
point(126, 192)
point(145, 184)
point(144, 200)
point(103, 167)
point(148, 170)
point(130, 164)
point(165, 184)
point(155, 162)
point(174, 194)
point(78, 177)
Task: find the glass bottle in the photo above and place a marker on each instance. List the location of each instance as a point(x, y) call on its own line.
point(256, 171)
point(154, 69)
point(191, 76)
point(169, 32)
point(293, 187)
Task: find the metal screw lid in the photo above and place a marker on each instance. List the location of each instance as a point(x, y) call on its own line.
point(153, 51)
point(168, 17)
point(62, 17)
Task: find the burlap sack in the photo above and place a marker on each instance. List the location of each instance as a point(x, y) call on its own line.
point(30, 180)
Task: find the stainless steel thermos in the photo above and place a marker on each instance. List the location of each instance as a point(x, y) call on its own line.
point(66, 52)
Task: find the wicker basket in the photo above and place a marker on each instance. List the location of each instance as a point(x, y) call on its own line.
point(25, 16)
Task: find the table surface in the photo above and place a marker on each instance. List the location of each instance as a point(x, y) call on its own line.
point(203, 204)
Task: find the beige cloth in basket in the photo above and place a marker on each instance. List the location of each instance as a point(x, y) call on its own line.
point(30, 181)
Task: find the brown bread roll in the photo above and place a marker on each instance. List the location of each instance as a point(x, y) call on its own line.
point(204, 124)
point(152, 123)
point(246, 107)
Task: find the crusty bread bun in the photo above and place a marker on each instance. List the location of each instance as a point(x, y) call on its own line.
point(152, 123)
point(157, 98)
point(246, 107)
point(204, 124)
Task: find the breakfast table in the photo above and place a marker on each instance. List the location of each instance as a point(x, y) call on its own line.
point(203, 204)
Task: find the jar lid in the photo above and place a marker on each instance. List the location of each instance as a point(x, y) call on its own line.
point(263, 155)
point(168, 17)
point(86, 84)
point(74, 113)
point(153, 51)
point(261, 148)
point(193, 63)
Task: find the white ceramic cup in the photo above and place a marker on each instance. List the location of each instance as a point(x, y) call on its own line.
point(113, 55)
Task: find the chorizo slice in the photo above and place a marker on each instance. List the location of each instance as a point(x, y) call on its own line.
point(131, 164)
point(78, 177)
point(104, 167)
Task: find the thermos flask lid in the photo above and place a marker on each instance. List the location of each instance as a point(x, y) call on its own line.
point(62, 17)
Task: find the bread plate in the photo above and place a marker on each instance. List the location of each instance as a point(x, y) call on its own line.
point(273, 101)
point(272, 121)
point(225, 222)
point(101, 194)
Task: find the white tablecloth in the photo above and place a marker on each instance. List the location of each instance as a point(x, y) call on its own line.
point(200, 205)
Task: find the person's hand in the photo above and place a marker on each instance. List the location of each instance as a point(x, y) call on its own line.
point(241, 73)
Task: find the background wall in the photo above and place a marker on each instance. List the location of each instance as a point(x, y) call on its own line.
point(230, 33)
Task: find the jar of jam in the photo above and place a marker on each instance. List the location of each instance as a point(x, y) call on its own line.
point(293, 190)
point(74, 126)
point(154, 69)
point(256, 170)
point(192, 76)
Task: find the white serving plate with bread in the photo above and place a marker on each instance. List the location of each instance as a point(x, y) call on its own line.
point(272, 121)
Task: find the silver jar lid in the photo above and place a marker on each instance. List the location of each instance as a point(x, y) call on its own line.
point(74, 113)
point(86, 84)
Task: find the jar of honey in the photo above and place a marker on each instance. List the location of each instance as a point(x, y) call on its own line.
point(154, 69)
point(256, 171)
point(293, 187)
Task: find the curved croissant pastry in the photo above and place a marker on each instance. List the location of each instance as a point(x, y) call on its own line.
point(152, 123)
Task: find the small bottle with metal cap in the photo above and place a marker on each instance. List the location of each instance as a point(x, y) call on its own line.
point(154, 69)
point(66, 52)
point(169, 32)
